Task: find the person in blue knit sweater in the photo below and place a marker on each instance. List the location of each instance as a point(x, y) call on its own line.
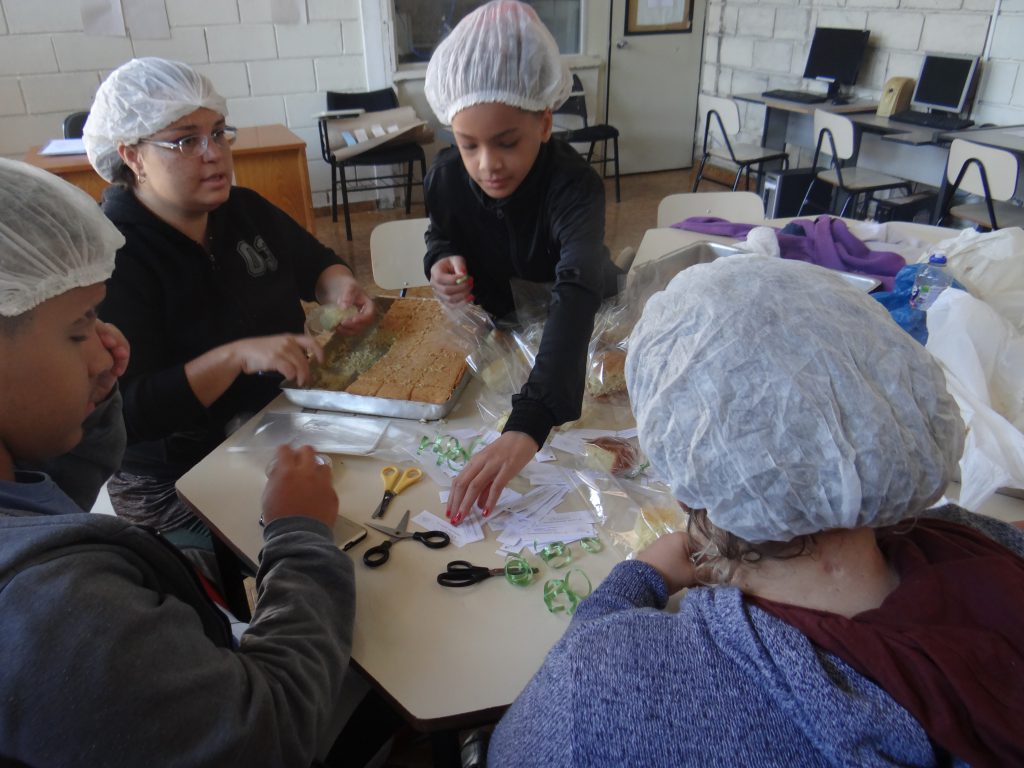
point(833, 615)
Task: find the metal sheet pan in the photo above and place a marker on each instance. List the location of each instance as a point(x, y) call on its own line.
point(345, 402)
point(328, 400)
point(702, 253)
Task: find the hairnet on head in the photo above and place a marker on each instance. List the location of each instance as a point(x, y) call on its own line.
point(53, 238)
point(500, 53)
point(785, 402)
point(137, 100)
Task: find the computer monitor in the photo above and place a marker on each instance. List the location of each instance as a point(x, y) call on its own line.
point(945, 83)
point(835, 57)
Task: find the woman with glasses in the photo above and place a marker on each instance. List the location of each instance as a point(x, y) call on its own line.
point(207, 287)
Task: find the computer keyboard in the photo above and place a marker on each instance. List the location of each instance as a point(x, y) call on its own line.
point(941, 121)
point(801, 97)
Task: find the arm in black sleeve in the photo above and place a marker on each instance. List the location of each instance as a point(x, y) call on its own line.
point(439, 201)
point(310, 257)
point(134, 304)
point(554, 392)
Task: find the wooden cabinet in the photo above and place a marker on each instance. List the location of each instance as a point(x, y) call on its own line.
point(269, 159)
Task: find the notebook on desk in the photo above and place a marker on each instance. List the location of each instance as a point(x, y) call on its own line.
point(63, 147)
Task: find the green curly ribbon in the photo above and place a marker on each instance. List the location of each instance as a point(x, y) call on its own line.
point(448, 449)
point(518, 571)
point(592, 544)
point(556, 554)
point(560, 595)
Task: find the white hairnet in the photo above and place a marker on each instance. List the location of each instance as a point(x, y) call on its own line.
point(53, 237)
point(785, 402)
point(500, 53)
point(137, 100)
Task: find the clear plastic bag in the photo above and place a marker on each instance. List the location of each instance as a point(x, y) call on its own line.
point(618, 456)
point(631, 515)
point(982, 356)
point(326, 432)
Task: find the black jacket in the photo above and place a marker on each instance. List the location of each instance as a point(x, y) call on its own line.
point(550, 230)
point(174, 301)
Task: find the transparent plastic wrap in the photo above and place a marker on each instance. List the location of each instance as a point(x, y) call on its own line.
point(606, 356)
point(501, 358)
point(631, 515)
point(618, 456)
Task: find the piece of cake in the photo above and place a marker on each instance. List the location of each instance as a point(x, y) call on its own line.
point(615, 455)
point(607, 374)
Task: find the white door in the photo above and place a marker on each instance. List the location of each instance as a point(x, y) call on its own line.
point(653, 84)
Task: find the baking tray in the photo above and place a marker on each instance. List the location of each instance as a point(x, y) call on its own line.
point(329, 400)
point(333, 400)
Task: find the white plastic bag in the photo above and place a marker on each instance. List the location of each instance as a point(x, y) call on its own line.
point(991, 266)
point(982, 355)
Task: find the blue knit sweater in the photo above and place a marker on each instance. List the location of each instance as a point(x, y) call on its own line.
point(721, 682)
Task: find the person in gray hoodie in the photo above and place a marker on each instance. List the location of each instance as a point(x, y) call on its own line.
point(113, 653)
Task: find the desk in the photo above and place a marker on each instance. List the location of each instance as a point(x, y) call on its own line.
point(892, 130)
point(269, 159)
point(886, 149)
point(791, 121)
point(448, 658)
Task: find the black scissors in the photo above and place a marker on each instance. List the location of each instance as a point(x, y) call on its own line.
point(379, 555)
point(462, 573)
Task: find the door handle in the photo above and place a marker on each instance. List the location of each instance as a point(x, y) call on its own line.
point(622, 44)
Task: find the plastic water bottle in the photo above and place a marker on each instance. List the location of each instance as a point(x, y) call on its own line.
point(931, 280)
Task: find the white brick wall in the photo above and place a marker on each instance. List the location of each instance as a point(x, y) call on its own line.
point(746, 44)
point(269, 73)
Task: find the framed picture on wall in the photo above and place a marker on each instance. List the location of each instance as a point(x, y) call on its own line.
point(658, 17)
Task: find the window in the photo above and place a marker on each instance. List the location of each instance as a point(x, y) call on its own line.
point(421, 24)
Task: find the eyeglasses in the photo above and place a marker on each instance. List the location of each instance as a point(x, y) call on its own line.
point(194, 146)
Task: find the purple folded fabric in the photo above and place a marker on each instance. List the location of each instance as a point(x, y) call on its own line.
point(828, 243)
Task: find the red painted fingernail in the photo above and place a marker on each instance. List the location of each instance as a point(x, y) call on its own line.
point(447, 511)
point(487, 512)
point(457, 520)
point(471, 297)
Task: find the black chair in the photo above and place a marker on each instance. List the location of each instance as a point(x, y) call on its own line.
point(402, 154)
point(576, 105)
point(74, 123)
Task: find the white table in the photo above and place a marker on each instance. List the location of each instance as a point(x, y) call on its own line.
point(447, 657)
point(661, 241)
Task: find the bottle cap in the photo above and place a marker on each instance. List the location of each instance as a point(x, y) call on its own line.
point(937, 258)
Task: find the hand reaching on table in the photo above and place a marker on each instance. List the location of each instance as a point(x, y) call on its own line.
point(669, 555)
point(451, 283)
point(298, 485)
point(487, 473)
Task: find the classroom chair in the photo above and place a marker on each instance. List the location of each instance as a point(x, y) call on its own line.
point(851, 181)
point(989, 173)
point(587, 133)
point(396, 254)
point(406, 155)
point(721, 118)
point(742, 207)
point(74, 124)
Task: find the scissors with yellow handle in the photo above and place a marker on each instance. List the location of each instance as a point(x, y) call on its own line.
point(394, 483)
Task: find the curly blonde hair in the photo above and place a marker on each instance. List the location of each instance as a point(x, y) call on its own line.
point(716, 553)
